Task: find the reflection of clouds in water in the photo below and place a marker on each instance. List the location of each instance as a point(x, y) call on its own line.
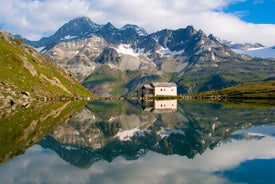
point(40, 165)
point(232, 154)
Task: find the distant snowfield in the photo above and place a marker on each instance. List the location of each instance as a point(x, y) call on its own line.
point(265, 52)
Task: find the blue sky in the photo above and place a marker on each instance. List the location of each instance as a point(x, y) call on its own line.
point(235, 20)
point(257, 11)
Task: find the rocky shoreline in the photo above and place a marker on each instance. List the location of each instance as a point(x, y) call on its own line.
point(11, 98)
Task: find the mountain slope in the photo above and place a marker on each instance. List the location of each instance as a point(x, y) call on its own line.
point(259, 90)
point(25, 72)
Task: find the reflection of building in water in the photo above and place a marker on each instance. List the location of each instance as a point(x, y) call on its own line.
point(159, 89)
point(160, 106)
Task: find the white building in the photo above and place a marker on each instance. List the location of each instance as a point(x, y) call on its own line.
point(159, 89)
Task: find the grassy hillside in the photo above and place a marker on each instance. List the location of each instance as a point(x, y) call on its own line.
point(259, 90)
point(23, 69)
point(106, 80)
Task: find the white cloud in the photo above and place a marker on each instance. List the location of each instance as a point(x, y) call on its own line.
point(33, 18)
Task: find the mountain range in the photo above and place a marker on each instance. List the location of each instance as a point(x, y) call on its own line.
point(112, 61)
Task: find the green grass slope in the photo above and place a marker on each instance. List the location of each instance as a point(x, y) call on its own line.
point(23, 69)
point(258, 90)
point(106, 79)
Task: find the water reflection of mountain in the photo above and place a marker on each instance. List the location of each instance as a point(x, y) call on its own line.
point(106, 130)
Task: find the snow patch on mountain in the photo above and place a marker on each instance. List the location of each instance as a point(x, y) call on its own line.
point(127, 134)
point(265, 52)
point(39, 49)
point(168, 52)
point(69, 147)
point(126, 49)
point(167, 132)
point(68, 37)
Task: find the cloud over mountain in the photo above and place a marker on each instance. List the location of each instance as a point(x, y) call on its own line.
point(34, 19)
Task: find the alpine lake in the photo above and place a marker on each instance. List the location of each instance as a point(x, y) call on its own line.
point(138, 142)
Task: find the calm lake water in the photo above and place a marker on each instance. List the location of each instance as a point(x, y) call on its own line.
point(138, 142)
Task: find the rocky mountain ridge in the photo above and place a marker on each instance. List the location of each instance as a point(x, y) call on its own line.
point(111, 61)
point(83, 27)
point(241, 46)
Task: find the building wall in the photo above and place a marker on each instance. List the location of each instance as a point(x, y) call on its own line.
point(166, 91)
point(165, 104)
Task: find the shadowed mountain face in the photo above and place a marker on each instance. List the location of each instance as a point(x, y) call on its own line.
point(106, 130)
point(123, 59)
